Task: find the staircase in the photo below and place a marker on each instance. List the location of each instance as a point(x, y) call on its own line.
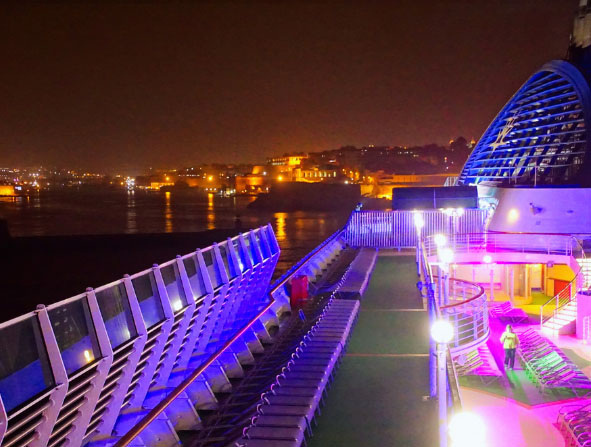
point(562, 320)
point(585, 264)
point(564, 316)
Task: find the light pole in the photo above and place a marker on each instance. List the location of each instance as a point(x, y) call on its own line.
point(442, 332)
point(419, 224)
point(440, 241)
point(446, 257)
point(467, 429)
point(487, 259)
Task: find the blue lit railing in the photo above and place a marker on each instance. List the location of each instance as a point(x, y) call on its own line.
point(396, 229)
point(137, 357)
point(84, 370)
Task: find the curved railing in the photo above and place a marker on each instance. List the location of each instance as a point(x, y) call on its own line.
point(540, 243)
point(467, 310)
point(543, 243)
point(565, 296)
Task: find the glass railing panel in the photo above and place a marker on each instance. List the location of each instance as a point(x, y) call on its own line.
point(249, 249)
point(24, 366)
point(114, 306)
point(195, 279)
point(226, 260)
point(146, 291)
point(174, 286)
point(262, 247)
point(75, 333)
point(213, 274)
point(241, 260)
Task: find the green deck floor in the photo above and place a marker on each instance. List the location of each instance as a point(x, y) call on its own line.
point(378, 397)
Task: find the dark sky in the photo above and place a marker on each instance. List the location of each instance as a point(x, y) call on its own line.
point(119, 86)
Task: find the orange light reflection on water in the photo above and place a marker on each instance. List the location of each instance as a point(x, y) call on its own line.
point(280, 225)
point(167, 213)
point(210, 212)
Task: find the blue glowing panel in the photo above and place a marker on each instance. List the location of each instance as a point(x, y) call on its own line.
point(241, 260)
point(211, 269)
point(249, 249)
point(174, 286)
point(539, 137)
point(195, 278)
point(147, 295)
point(226, 261)
point(24, 367)
point(114, 306)
point(75, 334)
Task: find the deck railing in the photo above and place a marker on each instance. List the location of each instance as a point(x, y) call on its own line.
point(310, 265)
point(550, 244)
point(467, 310)
point(84, 369)
point(397, 229)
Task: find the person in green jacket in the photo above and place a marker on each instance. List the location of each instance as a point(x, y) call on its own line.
point(510, 343)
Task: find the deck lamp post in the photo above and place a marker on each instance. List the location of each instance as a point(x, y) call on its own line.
point(442, 332)
point(467, 429)
point(440, 242)
point(446, 257)
point(419, 224)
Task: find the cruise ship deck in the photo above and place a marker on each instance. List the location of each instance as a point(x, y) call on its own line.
point(384, 378)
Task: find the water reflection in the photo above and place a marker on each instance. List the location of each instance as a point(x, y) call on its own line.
point(210, 212)
point(167, 213)
point(280, 226)
point(75, 212)
point(131, 217)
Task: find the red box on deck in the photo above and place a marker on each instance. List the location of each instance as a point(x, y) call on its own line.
point(299, 290)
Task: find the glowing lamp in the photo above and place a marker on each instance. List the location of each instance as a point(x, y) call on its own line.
point(440, 240)
point(442, 331)
point(177, 305)
point(512, 215)
point(88, 356)
point(467, 429)
point(418, 221)
point(280, 178)
point(446, 255)
point(460, 212)
point(487, 259)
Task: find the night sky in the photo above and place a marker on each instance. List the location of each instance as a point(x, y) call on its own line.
point(126, 86)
